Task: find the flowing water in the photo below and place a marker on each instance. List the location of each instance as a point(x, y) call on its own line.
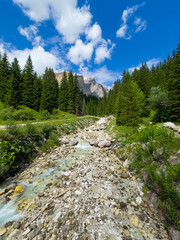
point(10, 212)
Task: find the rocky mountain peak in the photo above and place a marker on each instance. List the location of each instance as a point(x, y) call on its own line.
point(88, 86)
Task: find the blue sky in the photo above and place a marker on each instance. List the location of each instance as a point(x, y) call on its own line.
point(96, 38)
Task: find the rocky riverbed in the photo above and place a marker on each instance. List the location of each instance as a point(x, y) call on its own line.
point(81, 190)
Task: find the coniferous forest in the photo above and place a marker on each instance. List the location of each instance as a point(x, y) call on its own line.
point(145, 92)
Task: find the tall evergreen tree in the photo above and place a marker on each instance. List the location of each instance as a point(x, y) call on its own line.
point(37, 91)
point(4, 79)
point(49, 98)
point(28, 84)
point(16, 84)
point(78, 97)
point(63, 93)
point(130, 103)
point(174, 87)
point(71, 94)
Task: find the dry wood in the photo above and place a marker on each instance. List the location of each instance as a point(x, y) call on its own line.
point(44, 208)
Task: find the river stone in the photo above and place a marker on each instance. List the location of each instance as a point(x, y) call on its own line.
point(174, 234)
point(104, 144)
point(17, 225)
point(73, 142)
point(15, 235)
point(135, 221)
point(124, 175)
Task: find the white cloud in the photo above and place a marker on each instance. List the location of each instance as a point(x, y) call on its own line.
point(103, 52)
point(28, 32)
point(37, 10)
point(31, 34)
point(94, 33)
point(141, 25)
point(102, 75)
point(40, 58)
point(127, 13)
point(150, 63)
point(121, 33)
point(80, 52)
point(69, 20)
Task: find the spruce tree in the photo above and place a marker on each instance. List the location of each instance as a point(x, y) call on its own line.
point(28, 84)
point(37, 91)
point(4, 79)
point(49, 98)
point(63, 94)
point(77, 97)
point(174, 87)
point(16, 84)
point(71, 94)
point(130, 103)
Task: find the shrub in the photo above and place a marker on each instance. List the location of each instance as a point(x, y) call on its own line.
point(34, 132)
point(6, 114)
point(45, 115)
point(24, 114)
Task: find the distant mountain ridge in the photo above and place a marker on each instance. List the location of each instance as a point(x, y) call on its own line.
point(88, 86)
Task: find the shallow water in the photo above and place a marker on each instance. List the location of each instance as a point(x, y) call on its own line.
point(9, 211)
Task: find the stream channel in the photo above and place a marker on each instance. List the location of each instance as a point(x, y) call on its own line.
point(9, 210)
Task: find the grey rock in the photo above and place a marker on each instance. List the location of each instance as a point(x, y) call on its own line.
point(16, 234)
point(152, 201)
point(124, 175)
point(17, 225)
point(174, 160)
point(144, 147)
point(104, 144)
point(73, 142)
point(169, 125)
point(174, 234)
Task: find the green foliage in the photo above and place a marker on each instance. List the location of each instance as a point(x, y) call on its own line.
point(28, 83)
point(49, 98)
point(16, 85)
point(24, 114)
point(45, 115)
point(63, 93)
point(4, 79)
point(71, 94)
point(129, 105)
point(159, 102)
point(6, 114)
point(35, 133)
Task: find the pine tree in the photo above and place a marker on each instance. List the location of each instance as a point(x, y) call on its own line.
point(71, 94)
point(28, 84)
point(174, 87)
point(63, 94)
point(78, 97)
point(49, 98)
point(4, 79)
point(37, 91)
point(16, 84)
point(130, 103)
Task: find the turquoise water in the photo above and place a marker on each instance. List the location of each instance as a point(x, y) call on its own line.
point(9, 212)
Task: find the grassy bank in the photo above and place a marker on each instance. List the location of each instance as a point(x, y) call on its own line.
point(152, 154)
point(19, 145)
